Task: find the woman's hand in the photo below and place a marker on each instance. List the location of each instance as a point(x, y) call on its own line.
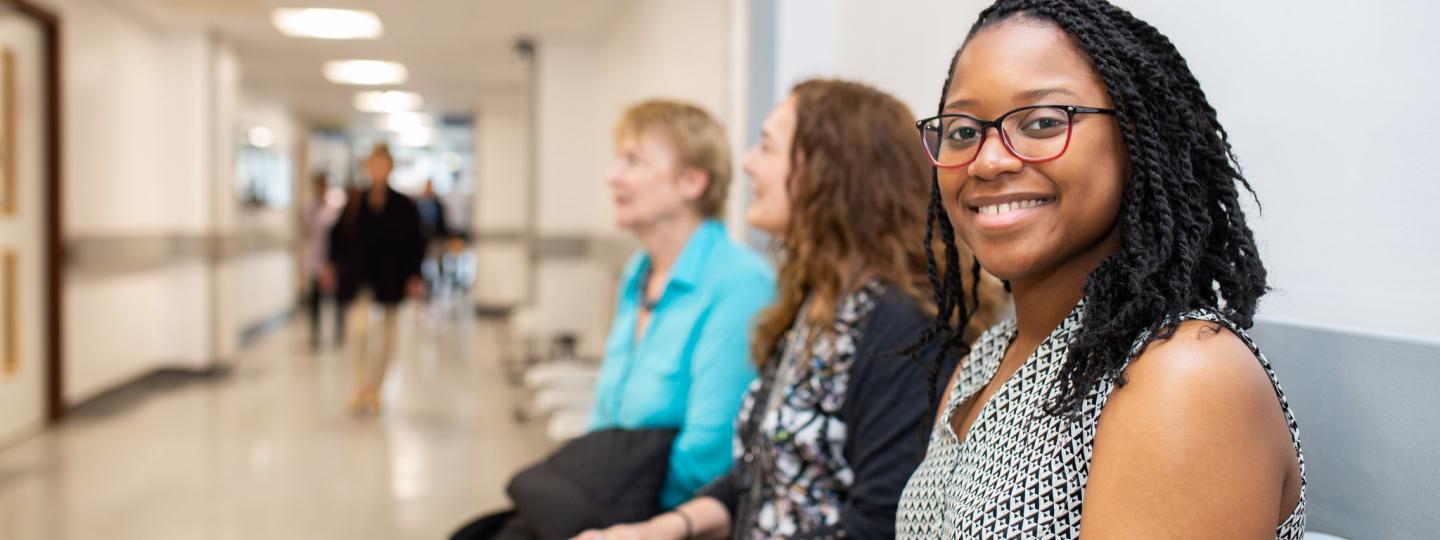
point(327, 278)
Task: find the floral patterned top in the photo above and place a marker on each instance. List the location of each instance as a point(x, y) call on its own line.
point(828, 434)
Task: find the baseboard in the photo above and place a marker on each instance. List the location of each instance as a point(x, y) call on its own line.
point(493, 311)
point(254, 331)
point(21, 435)
point(137, 390)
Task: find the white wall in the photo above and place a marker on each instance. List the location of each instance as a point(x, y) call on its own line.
point(150, 119)
point(119, 328)
point(502, 201)
point(136, 157)
point(901, 46)
point(1330, 109)
point(122, 80)
point(652, 48)
point(502, 149)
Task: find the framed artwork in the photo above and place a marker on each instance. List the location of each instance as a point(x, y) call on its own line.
point(7, 132)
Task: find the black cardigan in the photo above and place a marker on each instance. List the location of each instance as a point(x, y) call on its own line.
point(380, 249)
point(888, 414)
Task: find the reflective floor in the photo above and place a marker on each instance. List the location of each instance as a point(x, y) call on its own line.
point(268, 451)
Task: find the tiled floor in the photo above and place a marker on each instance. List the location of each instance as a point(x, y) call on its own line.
point(268, 451)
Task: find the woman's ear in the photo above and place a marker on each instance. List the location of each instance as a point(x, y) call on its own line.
point(693, 182)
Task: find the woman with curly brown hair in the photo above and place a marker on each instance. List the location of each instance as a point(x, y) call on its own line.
point(831, 429)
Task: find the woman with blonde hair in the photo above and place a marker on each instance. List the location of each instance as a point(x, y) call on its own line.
point(832, 428)
point(676, 361)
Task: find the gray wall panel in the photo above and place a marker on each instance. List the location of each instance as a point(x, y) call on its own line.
point(1369, 414)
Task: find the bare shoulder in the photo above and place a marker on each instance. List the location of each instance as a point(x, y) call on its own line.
point(1195, 444)
point(1203, 361)
point(1201, 386)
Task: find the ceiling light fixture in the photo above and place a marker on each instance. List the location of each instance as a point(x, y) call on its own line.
point(388, 101)
point(403, 121)
point(325, 23)
point(366, 72)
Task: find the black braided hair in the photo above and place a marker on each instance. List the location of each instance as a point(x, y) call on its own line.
point(951, 312)
point(1185, 243)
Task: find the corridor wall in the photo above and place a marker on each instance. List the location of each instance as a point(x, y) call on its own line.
point(502, 201)
point(652, 48)
point(136, 159)
point(162, 268)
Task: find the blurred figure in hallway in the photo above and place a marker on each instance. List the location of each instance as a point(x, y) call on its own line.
point(376, 250)
point(435, 231)
point(316, 221)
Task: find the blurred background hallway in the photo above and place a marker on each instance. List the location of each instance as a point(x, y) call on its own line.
point(168, 167)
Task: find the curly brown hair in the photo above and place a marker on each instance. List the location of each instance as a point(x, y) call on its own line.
point(858, 187)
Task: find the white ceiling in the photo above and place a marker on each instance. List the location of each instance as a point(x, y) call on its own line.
point(459, 52)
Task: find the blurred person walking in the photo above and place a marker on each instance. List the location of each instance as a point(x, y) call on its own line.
point(375, 252)
point(316, 221)
point(435, 231)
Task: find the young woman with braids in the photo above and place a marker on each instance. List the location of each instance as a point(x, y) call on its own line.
point(1077, 156)
point(828, 433)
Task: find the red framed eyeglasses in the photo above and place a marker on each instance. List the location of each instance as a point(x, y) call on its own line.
point(1033, 134)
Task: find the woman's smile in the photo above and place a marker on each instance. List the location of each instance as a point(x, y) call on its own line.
point(998, 213)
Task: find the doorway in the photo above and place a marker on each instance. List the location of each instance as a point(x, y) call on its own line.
point(30, 368)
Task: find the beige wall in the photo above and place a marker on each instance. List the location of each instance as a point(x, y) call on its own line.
point(151, 116)
point(653, 48)
point(502, 201)
point(136, 158)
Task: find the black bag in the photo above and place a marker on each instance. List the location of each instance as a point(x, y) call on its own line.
point(603, 478)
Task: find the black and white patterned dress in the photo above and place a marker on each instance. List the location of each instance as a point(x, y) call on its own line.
point(1021, 473)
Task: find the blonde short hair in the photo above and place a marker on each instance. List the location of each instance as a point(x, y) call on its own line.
point(698, 138)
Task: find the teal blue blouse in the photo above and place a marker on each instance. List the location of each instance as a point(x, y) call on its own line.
point(691, 368)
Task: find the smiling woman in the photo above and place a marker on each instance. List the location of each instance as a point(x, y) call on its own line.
point(1077, 157)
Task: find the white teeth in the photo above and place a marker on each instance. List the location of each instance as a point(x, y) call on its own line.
point(1009, 207)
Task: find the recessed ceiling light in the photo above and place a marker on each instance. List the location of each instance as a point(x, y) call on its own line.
point(367, 72)
point(403, 121)
point(324, 23)
point(387, 101)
